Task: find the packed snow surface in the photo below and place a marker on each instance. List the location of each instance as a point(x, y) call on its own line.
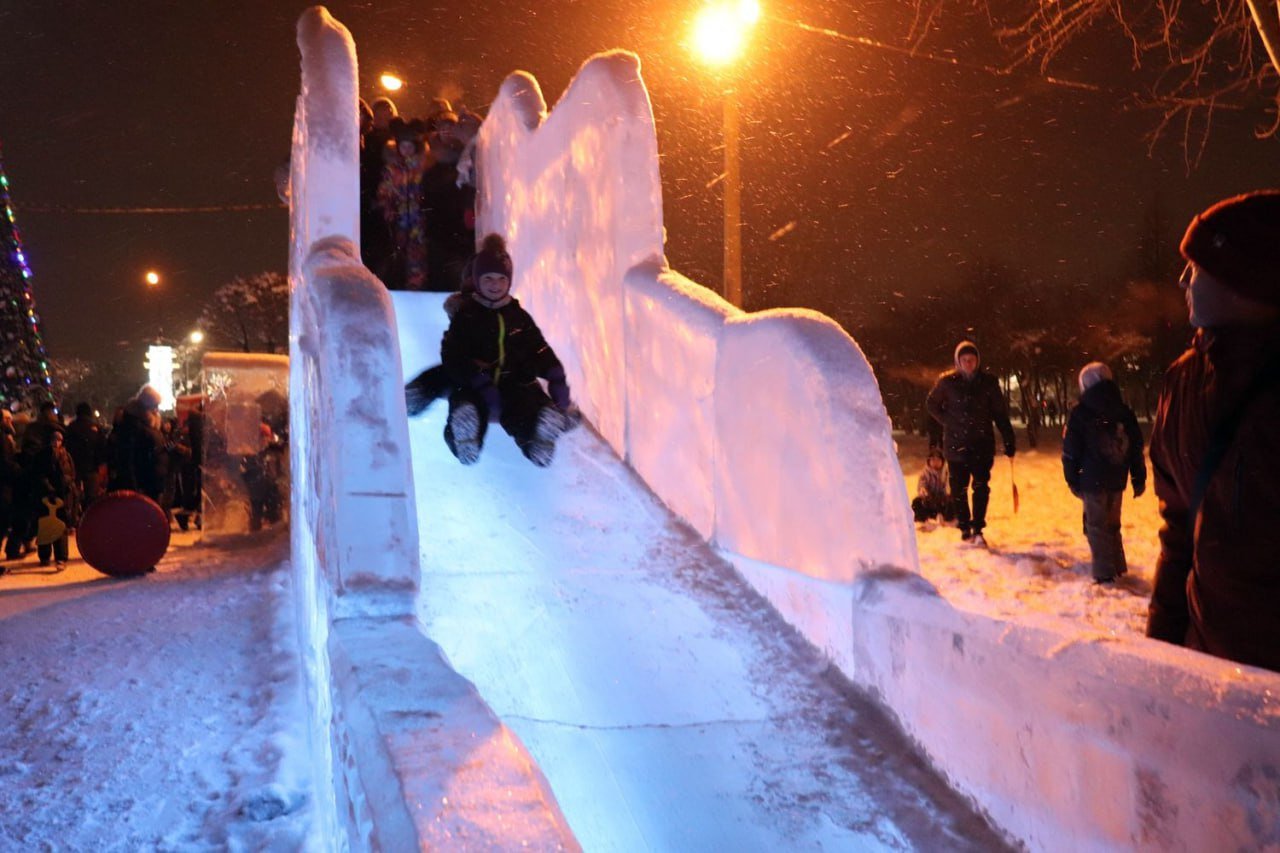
point(1037, 568)
point(163, 712)
point(668, 705)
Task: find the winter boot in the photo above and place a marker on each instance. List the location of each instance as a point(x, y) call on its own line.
point(464, 425)
point(977, 540)
point(542, 447)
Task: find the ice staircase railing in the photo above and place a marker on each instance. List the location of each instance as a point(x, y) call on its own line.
point(742, 424)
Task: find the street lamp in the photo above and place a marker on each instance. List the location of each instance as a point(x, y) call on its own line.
point(197, 337)
point(720, 34)
point(390, 82)
point(152, 278)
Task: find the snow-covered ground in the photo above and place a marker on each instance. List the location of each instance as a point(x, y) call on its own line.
point(1036, 570)
point(157, 713)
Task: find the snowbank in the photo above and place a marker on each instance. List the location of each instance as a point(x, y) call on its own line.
point(375, 678)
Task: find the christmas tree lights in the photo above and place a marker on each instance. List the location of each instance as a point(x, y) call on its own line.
point(24, 364)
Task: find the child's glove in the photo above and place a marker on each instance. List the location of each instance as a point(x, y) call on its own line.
point(415, 401)
point(558, 388)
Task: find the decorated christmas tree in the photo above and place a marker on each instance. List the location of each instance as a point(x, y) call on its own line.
point(24, 365)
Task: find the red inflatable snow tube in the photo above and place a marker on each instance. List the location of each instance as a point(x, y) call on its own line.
point(123, 534)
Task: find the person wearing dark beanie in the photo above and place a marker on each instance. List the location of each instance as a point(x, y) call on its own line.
point(1215, 446)
point(966, 401)
point(493, 354)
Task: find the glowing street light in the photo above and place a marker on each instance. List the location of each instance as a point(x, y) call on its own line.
point(152, 278)
point(720, 34)
point(390, 82)
point(197, 336)
point(721, 30)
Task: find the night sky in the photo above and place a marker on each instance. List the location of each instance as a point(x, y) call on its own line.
point(869, 176)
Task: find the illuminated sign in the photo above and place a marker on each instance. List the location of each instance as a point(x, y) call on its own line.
point(159, 365)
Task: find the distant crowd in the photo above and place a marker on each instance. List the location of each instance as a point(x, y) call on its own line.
point(51, 470)
point(1215, 447)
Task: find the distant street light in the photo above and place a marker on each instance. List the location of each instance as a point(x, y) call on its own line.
point(391, 82)
point(720, 35)
point(152, 278)
point(197, 336)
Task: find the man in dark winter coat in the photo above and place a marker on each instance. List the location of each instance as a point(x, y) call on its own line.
point(135, 445)
point(494, 354)
point(87, 445)
point(1215, 444)
point(451, 238)
point(965, 402)
point(1101, 451)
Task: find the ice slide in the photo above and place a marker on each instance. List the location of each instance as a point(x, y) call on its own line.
point(667, 704)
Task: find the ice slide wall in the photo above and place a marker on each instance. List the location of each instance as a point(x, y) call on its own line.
point(767, 433)
point(415, 758)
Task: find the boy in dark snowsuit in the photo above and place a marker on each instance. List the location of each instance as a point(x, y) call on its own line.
point(931, 498)
point(1101, 449)
point(965, 402)
point(494, 355)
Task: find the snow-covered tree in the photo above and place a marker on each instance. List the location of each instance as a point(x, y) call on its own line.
point(249, 314)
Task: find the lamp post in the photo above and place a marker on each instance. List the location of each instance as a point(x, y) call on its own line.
point(720, 34)
point(390, 82)
point(152, 278)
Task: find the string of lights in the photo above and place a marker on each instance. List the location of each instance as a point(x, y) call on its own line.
point(24, 364)
point(212, 208)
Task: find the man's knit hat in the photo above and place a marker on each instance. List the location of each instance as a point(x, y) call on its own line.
point(492, 258)
point(1093, 373)
point(966, 347)
point(1237, 241)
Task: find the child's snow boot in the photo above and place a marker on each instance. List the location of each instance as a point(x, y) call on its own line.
point(464, 425)
point(542, 447)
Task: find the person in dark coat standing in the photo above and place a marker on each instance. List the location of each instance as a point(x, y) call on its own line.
point(87, 444)
point(1215, 443)
point(135, 445)
point(450, 231)
point(966, 401)
point(10, 486)
point(494, 354)
point(1101, 452)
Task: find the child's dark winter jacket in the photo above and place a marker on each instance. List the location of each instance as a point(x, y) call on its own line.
point(486, 347)
point(53, 476)
point(1102, 444)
